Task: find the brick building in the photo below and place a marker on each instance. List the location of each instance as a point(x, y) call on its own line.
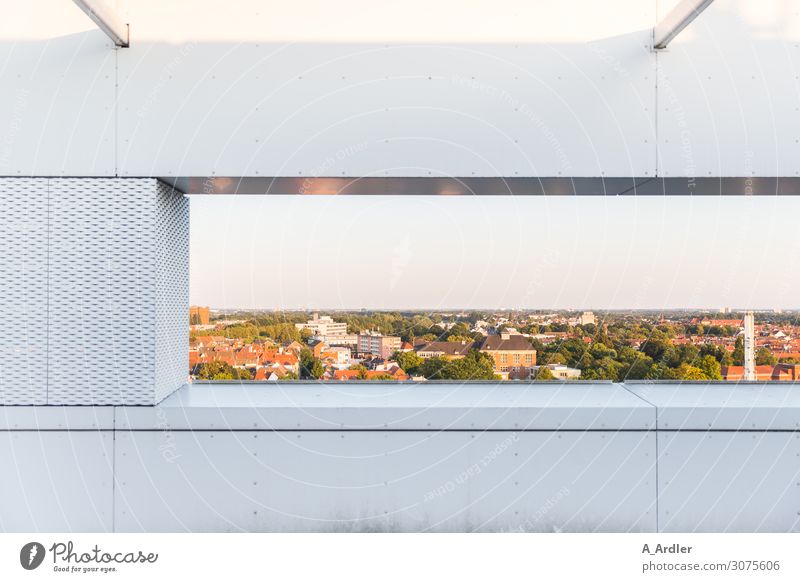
point(509, 351)
point(199, 315)
point(776, 373)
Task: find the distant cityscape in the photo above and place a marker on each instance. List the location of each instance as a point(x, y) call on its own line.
point(486, 345)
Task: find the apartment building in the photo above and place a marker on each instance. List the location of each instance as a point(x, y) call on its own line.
point(370, 342)
point(324, 326)
point(349, 339)
point(588, 318)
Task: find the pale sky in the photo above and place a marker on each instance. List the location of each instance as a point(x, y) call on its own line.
point(393, 252)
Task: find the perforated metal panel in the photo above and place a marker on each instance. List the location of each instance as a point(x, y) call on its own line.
point(118, 291)
point(172, 290)
point(93, 291)
point(102, 291)
point(23, 291)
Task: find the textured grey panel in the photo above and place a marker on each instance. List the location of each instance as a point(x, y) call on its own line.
point(23, 291)
point(60, 481)
point(102, 291)
point(385, 481)
point(172, 291)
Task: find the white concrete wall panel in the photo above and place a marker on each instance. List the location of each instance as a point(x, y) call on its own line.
point(728, 93)
point(58, 77)
point(505, 88)
point(62, 418)
point(487, 89)
point(729, 481)
point(23, 291)
point(389, 110)
point(385, 481)
point(56, 481)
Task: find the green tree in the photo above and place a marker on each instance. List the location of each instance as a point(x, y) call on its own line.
point(544, 373)
point(433, 368)
point(460, 330)
point(764, 357)
point(689, 372)
point(409, 361)
point(459, 338)
point(604, 369)
point(476, 365)
point(599, 350)
point(710, 367)
point(310, 367)
point(244, 331)
point(656, 348)
point(221, 371)
point(362, 371)
point(639, 368)
point(555, 358)
point(660, 371)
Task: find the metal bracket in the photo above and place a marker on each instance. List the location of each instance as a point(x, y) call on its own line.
point(107, 19)
point(679, 18)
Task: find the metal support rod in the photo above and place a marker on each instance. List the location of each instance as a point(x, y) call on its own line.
point(679, 18)
point(108, 21)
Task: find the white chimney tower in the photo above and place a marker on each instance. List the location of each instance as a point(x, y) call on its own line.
point(749, 347)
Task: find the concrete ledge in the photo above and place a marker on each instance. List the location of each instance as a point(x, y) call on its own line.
point(723, 406)
point(56, 418)
point(436, 406)
point(401, 406)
